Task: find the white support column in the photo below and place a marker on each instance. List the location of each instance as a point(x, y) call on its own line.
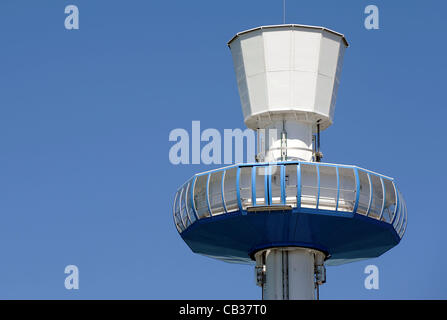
point(288, 273)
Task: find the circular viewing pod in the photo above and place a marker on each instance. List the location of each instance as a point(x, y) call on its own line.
point(345, 211)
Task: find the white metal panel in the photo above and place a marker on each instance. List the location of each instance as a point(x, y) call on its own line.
point(334, 98)
point(278, 86)
point(329, 54)
point(239, 69)
point(257, 94)
point(301, 274)
point(278, 46)
point(274, 282)
point(323, 97)
point(306, 50)
point(304, 89)
point(253, 53)
point(337, 80)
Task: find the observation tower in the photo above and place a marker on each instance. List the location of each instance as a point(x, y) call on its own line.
point(289, 213)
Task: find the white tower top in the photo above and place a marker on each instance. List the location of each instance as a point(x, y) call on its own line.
point(292, 69)
point(288, 73)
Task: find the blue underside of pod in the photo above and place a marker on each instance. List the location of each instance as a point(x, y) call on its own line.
point(235, 237)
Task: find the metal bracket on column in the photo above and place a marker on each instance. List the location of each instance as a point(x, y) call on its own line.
point(260, 270)
point(320, 273)
point(283, 142)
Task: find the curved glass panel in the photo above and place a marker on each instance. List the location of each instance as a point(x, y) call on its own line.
point(309, 186)
point(328, 188)
point(346, 200)
point(215, 193)
point(377, 199)
point(245, 186)
point(399, 212)
point(183, 212)
point(261, 173)
point(200, 196)
point(390, 201)
point(189, 209)
point(365, 193)
point(402, 218)
point(177, 220)
point(404, 224)
point(275, 172)
point(230, 192)
point(291, 184)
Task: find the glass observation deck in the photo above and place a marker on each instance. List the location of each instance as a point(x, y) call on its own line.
point(308, 187)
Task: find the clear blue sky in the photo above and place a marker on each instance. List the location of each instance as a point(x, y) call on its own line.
point(85, 116)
